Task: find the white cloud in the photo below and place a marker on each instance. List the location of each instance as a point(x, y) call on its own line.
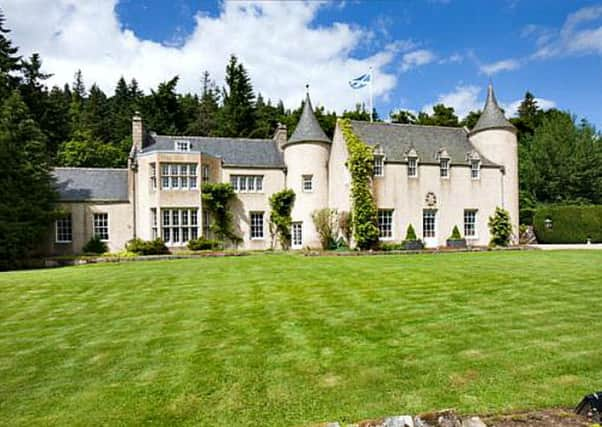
point(278, 42)
point(464, 99)
point(496, 67)
point(574, 37)
point(511, 109)
point(416, 59)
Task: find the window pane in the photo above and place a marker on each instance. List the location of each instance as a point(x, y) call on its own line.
point(259, 183)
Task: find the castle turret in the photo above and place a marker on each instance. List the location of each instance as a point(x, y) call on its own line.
point(495, 138)
point(306, 156)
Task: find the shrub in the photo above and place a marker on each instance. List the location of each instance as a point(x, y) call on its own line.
point(95, 246)
point(281, 204)
point(570, 224)
point(325, 221)
point(345, 228)
point(391, 247)
point(500, 227)
point(456, 234)
point(410, 233)
point(147, 247)
point(202, 244)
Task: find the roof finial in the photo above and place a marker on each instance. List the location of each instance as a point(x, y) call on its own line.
point(307, 88)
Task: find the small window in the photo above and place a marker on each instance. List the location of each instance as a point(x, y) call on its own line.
point(101, 225)
point(153, 175)
point(308, 185)
point(444, 168)
point(385, 223)
point(475, 169)
point(175, 176)
point(470, 223)
point(154, 223)
point(64, 232)
point(247, 183)
point(297, 234)
point(412, 167)
point(256, 225)
point(182, 145)
point(205, 173)
point(379, 165)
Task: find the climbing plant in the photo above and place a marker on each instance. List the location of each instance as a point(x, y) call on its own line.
point(360, 163)
point(216, 199)
point(281, 204)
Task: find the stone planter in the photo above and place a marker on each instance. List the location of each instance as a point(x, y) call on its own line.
point(413, 245)
point(456, 243)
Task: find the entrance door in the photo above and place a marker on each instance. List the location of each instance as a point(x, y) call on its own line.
point(429, 227)
point(297, 235)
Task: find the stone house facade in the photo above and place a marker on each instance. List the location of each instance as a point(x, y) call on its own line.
point(431, 177)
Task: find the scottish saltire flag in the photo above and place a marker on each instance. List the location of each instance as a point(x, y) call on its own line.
point(360, 81)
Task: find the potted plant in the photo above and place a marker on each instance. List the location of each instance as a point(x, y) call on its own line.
point(411, 242)
point(455, 240)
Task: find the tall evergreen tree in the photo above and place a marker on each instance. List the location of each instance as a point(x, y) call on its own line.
point(471, 119)
point(161, 108)
point(76, 106)
point(27, 193)
point(122, 109)
point(206, 120)
point(10, 61)
point(237, 116)
point(57, 123)
point(96, 115)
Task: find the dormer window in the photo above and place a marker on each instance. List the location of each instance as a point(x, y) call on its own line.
point(475, 169)
point(182, 145)
point(412, 167)
point(444, 167)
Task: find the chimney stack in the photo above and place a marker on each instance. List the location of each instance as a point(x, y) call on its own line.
point(137, 132)
point(281, 135)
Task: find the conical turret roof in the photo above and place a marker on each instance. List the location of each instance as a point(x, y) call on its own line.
point(492, 116)
point(308, 129)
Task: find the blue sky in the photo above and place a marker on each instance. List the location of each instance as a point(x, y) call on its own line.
point(422, 51)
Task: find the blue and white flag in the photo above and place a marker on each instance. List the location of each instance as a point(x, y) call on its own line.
point(360, 81)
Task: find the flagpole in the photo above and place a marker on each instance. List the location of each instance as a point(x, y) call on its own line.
point(371, 101)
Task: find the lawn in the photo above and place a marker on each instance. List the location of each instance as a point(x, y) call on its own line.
point(292, 340)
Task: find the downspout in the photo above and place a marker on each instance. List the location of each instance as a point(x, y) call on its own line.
point(503, 172)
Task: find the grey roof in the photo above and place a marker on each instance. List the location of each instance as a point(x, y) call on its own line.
point(308, 129)
point(79, 184)
point(233, 151)
point(396, 140)
point(492, 116)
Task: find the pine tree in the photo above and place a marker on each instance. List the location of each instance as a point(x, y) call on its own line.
point(57, 120)
point(10, 62)
point(76, 107)
point(96, 115)
point(121, 111)
point(206, 120)
point(161, 109)
point(237, 116)
point(27, 193)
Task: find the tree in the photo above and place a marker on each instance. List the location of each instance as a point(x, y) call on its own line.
point(442, 116)
point(403, 117)
point(471, 119)
point(76, 106)
point(325, 220)
point(500, 228)
point(122, 108)
point(205, 123)
point(97, 116)
point(10, 62)
point(161, 109)
point(56, 124)
point(85, 151)
point(27, 192)
point(237, 115)
point(360, 113)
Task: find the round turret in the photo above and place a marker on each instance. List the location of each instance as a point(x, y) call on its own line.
point(495, 138)
point(306, 156)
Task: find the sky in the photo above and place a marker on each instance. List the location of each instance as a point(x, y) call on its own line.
point(422, 52)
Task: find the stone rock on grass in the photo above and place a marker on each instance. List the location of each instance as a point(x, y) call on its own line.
point(397, 421)
point(473, 422)
point(445, 418)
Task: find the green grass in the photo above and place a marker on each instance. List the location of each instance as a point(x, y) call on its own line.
point(292, 340)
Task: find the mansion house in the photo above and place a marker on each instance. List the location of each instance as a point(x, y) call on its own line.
point(428, 176)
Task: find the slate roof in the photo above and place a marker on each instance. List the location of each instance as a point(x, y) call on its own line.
point(308, 128)
point(101, 184)
point(241, 152)
point(492, 116)
point(396, 140)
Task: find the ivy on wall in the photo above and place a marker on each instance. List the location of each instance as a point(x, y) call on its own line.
point(281, 204)
point(360, 163)
point(216, 199)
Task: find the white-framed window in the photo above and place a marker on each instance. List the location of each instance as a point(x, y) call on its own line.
point(247, 183)
point(154, 229)
point(385, 223)
point(429, 223)
point(205, 173)
point(412, 167)
point(206, 224)
point(178, 226)
point(178, 176)
point(307, 183)
point(256, 225)
point(182, 145)
point(475, 169)
point(153, 175)
point(470, 223)
point(297, 234)
point(379, 165)
point(444, 168)
point(64, 233)
point(101, 225)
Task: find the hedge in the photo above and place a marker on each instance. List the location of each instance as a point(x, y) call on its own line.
point(570, 224)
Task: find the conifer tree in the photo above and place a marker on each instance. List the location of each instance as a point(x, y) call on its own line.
point(237, 116)
point(10, 61)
